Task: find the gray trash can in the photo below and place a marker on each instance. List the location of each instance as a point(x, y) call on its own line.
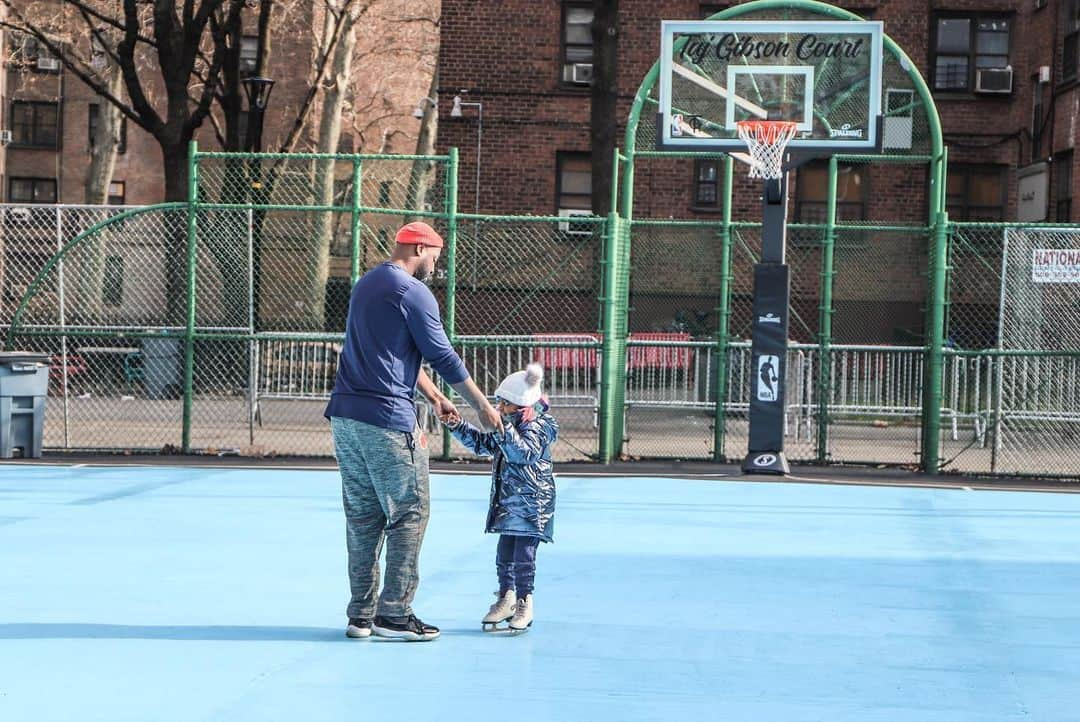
point(161, 367)
point(24, 385)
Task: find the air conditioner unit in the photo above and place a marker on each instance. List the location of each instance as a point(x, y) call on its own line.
point(5, 137)
point(994, 80)
point(48, 64)
point(581, 73)
point(17, 215)
point(575, 229)
point(898, 124)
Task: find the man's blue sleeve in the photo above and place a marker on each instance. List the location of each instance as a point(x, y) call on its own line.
point(421, 312)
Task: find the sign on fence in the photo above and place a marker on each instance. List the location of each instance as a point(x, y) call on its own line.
point(1050, 265)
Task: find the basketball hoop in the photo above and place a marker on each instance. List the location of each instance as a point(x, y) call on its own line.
point(766, 140)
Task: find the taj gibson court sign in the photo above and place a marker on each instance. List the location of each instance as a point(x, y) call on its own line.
point(728, 47)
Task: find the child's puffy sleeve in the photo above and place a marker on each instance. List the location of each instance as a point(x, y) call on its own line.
point(479, 442)
point(525, 445)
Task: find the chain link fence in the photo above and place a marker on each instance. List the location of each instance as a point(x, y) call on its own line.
point(109, 307)
point(1014, 343)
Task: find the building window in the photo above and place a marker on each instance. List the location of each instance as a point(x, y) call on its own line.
point(1063, 186)
point(32, 190)
point(976, 193)
point(249, 55)
point(574, 176)
point(34, 125)
point(117, 192)
point(706, 183)
point(963, 45)
point(577, 44)
point(28, 52)
point(91, 129)
point(112, 286)
point(812, 193)
point(1072, 39)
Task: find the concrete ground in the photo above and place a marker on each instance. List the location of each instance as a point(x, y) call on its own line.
point(204, 594)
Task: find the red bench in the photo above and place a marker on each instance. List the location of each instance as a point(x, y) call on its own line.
point(664, 357)
point(566, 358)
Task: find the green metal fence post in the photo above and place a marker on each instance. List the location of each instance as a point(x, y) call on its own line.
point(723, 331)
point(451, 242)
point(609, 346)
point(825, 313)
point(935, 321)
point(451, 269)
point(354, 230)
point(189, 330)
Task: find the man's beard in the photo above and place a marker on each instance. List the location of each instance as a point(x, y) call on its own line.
point(424, 275)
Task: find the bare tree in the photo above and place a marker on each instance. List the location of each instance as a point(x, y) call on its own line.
point(169, 69)
point(329, 136)
point(423, 171)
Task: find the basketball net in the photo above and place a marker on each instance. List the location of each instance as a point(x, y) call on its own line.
point(766, 141)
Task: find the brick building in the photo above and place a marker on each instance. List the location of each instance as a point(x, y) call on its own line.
point(46, 112)
point(47, 115)
point(1003, 74)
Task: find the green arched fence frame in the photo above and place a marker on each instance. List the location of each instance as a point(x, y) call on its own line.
point(617, 270)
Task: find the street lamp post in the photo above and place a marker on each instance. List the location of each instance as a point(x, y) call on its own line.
point(257, 90)
point(455, 112)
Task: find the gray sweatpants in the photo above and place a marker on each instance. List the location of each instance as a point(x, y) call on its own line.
point(384, 487)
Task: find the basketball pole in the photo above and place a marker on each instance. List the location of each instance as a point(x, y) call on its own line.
point(768, 340)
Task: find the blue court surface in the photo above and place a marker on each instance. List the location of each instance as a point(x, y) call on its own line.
point(194, 595)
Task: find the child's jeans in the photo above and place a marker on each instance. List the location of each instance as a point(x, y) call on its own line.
point(516, 563)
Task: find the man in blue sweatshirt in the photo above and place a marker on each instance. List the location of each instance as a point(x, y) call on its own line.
point(393, 325)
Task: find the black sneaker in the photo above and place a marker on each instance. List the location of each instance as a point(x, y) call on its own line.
point(409, 629)
point(358, 628)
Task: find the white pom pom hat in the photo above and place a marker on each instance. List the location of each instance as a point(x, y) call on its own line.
point(522, 388)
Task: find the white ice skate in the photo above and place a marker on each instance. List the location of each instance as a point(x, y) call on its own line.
point(523, 616)
point(501, 611)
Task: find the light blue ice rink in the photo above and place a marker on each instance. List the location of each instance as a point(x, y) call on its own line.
point(160, 594)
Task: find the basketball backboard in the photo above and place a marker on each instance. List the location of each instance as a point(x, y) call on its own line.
point(823, 75)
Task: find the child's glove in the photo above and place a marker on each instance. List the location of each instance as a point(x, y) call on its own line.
point(541, 406)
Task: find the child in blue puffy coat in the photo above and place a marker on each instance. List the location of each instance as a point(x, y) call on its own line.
point(522, 507)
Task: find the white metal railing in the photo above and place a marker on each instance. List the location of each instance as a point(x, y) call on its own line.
point(866, 382)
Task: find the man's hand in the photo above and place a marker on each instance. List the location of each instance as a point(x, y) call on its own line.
point(444, 407)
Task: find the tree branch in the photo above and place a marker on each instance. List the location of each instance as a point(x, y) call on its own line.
point(95, 33)
point(218, 133)
point(125, 51)
point(108, 20)
point(434, 22)
point(309, 100)
point(203, 108)
point(74, 65)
